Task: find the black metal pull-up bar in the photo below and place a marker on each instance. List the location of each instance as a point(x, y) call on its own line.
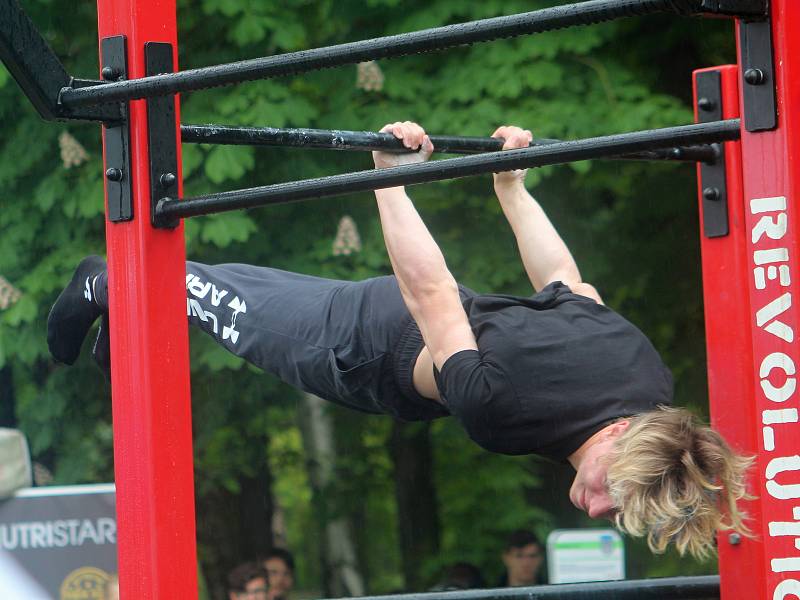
point(705, 587)
point(168, 210)
point(438, 38)
point(335, 139)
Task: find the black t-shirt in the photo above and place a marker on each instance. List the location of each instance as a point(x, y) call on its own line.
point(550, 371)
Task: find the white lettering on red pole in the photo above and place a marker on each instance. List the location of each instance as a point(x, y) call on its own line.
point(772, 264)
point(775, 417)
point(770, 312)
point(779, 465)
point(789, 587)
point(778, 360)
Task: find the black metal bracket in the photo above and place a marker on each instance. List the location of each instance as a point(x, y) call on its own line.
point(712, 175)
point(757, 76)
point(736, 8)
point(116, 136)
point(39, 73)
point(161, 135)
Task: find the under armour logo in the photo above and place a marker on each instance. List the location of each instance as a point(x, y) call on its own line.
point(238, 306)
point(87, 293)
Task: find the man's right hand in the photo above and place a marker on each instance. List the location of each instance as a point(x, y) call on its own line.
point(514, 137)
point(413, 137)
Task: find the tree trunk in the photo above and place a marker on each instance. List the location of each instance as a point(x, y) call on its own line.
point(8, 417)
point(338, 558)
point(417, 509)
point(552, 494)
point(234, 527)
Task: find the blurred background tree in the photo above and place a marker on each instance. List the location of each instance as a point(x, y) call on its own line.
point(410, 498)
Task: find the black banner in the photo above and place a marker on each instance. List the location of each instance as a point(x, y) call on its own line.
point(59, 543)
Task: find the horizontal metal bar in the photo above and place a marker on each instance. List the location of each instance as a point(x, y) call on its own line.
point(330, 139)
point(438, 38)
point(561, 152)
point(705, 587)
point(704, 153)
point(337, 139)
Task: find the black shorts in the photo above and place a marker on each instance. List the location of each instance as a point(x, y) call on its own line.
point(352, 343)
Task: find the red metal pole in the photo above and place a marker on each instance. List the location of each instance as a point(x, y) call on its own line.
point(730, 350)
point(149, 349)
point(750, 277)
point(771, 177)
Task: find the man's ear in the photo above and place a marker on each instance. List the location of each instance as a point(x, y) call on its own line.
point(616, 429)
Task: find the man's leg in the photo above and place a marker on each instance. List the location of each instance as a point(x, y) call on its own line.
point(306, 330)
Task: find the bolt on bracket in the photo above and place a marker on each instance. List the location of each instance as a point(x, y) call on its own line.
point(712, 175)
point(116, 137)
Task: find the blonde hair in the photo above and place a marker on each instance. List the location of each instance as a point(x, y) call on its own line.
point(676, 480)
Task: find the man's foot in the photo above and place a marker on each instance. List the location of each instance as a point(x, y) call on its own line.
point(74, 311)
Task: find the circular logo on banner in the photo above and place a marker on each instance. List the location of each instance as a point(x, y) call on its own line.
point(85, 583)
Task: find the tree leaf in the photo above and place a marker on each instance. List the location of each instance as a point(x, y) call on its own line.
point(228, 162)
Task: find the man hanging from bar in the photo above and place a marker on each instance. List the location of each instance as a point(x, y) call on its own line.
point(556, 374)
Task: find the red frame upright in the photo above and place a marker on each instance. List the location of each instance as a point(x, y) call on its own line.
point(150, 353)
point(729, 347)
point(750, 277)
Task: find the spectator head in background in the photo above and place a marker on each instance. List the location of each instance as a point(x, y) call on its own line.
point(279, 564)
point(523, 557)
point(460, 576)
point(111, 588)
point(248, 581)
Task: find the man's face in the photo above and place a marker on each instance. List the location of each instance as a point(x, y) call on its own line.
point(589, 491)
point(522, 564)
point(281, 579)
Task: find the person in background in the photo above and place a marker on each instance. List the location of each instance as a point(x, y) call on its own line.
point(111, 588)
point(460, 576)
point(248, 581)
point(279, 564)
point(523, 558)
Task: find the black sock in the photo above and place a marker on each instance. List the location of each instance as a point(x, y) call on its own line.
point(100, 289)
point(74, 311)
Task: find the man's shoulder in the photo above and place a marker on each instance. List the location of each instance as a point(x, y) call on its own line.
point(551, 296)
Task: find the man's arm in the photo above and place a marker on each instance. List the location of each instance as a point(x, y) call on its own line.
point(544, 254)
point(428, 288)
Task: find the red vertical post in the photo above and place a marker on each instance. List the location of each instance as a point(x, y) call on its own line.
point(729, 346)
point(149, 349)
point(750, 281)
point(771, 176)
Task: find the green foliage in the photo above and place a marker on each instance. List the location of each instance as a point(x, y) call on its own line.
point(226, 162)
point(482, 498)
point(224, 229)
point(632, 227)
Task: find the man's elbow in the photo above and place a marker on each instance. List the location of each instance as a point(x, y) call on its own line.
point(428, 292)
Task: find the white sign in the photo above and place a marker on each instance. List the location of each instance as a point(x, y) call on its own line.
point(575, 555)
